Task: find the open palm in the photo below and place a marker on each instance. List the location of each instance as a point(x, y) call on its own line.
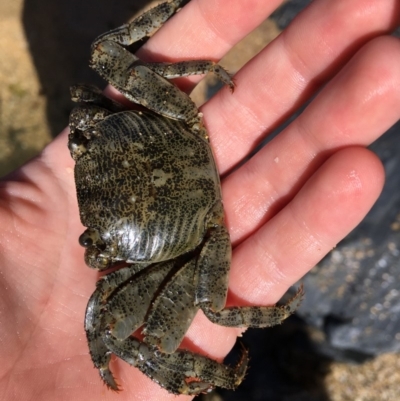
point(286, 207)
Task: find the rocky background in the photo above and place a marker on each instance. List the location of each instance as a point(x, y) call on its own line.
point(343, 343)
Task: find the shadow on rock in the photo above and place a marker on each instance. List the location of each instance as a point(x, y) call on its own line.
point(284, 366)
point(353, 294)
point(59, 36)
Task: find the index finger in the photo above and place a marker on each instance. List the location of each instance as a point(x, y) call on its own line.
point(290, 70)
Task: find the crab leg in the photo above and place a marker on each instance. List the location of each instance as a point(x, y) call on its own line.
point(99, 353)
point(130, 303)
point(146, 83)
point(213, 269)
point(191, 67)
point(255, 316)
point(142, 26)
point(175, 372)
point(211, 282)
point(172, 311)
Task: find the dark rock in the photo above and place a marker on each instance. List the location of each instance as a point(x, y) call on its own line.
point(353, 294)
point(283, 367)
point(284, 14)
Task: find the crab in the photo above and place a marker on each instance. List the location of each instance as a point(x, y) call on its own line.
point(149, 194)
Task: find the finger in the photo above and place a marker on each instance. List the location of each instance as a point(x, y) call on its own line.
point(207, 29)
point(356, 107)
point(332, 202)
point(290, 70)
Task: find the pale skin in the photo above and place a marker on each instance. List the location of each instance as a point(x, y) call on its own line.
point(286, 207)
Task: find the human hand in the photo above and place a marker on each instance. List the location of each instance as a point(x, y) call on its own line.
point(285, 208)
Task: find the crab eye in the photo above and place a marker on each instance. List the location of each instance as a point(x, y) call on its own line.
point(89, 237)
point(85, 241)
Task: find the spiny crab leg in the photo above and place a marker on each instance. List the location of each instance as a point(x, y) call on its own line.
point(181, 372)
point(93, 322)
point(142, 26)
point(255, 316)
